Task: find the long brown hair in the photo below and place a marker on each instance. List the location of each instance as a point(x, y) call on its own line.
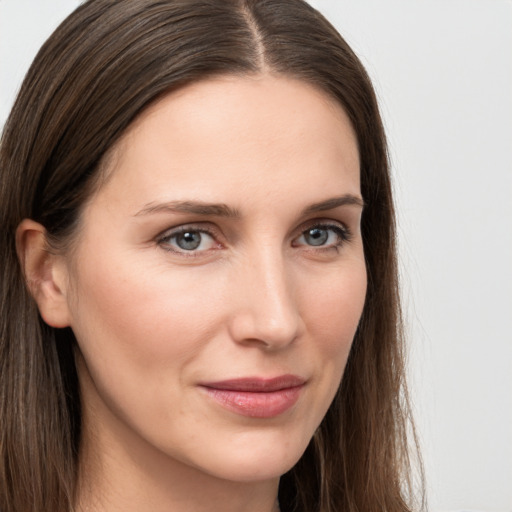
point(99, 70)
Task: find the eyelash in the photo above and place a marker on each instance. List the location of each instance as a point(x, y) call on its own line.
point(342, 233)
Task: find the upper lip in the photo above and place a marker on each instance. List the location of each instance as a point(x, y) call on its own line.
point(257, 384)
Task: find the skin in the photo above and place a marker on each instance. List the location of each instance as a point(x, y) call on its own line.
point(256, 298)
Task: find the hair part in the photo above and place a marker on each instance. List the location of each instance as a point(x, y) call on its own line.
point(102, 67)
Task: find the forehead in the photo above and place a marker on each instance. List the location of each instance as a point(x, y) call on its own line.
point(238, 134)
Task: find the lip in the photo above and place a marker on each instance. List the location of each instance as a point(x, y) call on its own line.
point(256, 397)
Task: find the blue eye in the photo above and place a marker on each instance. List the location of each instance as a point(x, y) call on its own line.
point(323, 236)
point(188, 240)
point(316, 236)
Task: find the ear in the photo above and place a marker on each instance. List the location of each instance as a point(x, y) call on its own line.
point(45, 272)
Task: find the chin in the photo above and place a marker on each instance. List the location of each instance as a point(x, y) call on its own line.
point(258, 461)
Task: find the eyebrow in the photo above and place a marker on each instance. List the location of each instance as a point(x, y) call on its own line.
point(194, 207)
point(223, 210)
point(334, 202)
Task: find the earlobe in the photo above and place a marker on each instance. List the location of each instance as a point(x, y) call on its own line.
point(45, 273)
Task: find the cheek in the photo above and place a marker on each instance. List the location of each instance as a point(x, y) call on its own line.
point(139, 331)
point(146, 315)
point(332, 310)
point(335, 307)
point(334, 314)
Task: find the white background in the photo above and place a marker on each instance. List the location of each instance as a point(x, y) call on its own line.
point(443, 72)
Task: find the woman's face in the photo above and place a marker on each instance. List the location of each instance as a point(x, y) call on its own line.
point(218, 278)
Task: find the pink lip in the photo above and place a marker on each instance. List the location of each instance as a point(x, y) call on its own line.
point(256, 397)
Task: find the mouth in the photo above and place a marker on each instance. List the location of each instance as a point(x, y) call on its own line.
point(256, 397)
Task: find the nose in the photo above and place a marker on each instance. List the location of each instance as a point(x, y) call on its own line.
point(266, 312)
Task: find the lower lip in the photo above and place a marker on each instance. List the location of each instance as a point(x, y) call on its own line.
point(256, 404)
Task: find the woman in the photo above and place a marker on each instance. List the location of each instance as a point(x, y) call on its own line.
point(199, 292)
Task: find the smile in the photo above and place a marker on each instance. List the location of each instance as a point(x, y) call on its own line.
point(256, 397)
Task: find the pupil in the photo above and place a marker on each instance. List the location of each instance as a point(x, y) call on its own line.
point(317, 236)
point(188, 241)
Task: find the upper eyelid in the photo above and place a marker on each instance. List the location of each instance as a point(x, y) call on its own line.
point(176, 230)
point(323, 222)
point(339, 229)
point(207, 228)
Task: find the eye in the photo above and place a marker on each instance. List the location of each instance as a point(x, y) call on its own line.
point(323, 236)
point(188, 240)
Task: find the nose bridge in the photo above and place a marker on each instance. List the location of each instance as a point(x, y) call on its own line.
point(269, 314)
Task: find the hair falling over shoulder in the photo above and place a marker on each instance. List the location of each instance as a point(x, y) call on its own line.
point(104, 65)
